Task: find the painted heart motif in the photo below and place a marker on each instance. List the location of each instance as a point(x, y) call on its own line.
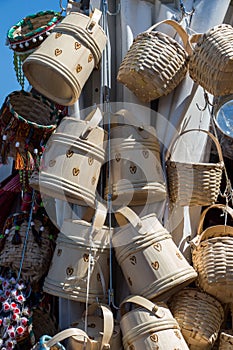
point(58, 52)
point(133, 169)
point(76, 171)
point(145, 153)
point(157, 246)
point(57, 35)
point(77, 45)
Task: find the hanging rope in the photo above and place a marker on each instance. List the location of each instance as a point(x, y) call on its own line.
point(26, 235)
point(106, 97)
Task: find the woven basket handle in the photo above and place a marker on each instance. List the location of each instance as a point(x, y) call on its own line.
point(93, 119)
point(217, 144)
point(130, 117)
point(225, 208)
point(62, 336)
point(200, 233)
point(180, 30)
point(108, 322)
point(125, 215)
point(141, 301)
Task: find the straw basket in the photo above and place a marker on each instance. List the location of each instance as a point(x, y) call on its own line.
point(71, 162)
point(194, 184)
point(152, 264)
point(27, 121)
point(78, 259)
point(199, 316)
point(226, 340)
point(102, 331)
point(155, 63)
point(212, 251)
point(136, 175)
point(211, 63)
point(149, 326)
point(60, 67)
point(38, 239)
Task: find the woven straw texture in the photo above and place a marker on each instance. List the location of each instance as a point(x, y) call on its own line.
point(43, 323)
point(37, 257)
point(211, 63)
point(199, 316)
point(155, 63)
point(29, 33)
point(212, 255)
point(194, 184)
point(226, 340)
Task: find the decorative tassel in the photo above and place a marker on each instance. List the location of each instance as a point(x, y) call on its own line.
point(30, 161)
point(16, 238)
point(19, 161)
point(4, 149)
point(36, 235)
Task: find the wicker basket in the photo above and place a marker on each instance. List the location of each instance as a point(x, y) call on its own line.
point(211, 63)
point(199, 316)
point(27, 121)
point(28, 33)
point(43, 323)
point(155, 63)
point(39, 245)
point(194, 184)
point(212, 251)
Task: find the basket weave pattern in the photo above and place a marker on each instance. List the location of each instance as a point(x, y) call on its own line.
point(37, 257)
point(194, 184)
point(153, 66)
point(199, 316)
point(211, 63)
point(226, 340)
point(212, 258)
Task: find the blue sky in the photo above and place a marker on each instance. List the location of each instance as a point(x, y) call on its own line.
point(12, 11)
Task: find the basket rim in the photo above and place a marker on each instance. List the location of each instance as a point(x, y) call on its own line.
point(43, 100)
point(23, 23)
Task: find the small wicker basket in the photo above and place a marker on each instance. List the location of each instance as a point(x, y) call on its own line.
point(211, 63)
point(155, 63)
point(194, 184)
point(29, 33)
point(199, 316)
point(27, 121)
point(36, 236)
point(212, 251)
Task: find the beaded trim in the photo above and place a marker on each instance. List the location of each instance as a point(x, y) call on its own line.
point(33, 34)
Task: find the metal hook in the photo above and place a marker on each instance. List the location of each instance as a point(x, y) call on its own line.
point(117, 11)
point(61, 7)
point(207, 102)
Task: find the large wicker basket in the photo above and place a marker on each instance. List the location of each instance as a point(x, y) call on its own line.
point(192, 183)
point(199, 316)
point(211, 63)
point(36, 236)
point(155, 63)
point(212, 251)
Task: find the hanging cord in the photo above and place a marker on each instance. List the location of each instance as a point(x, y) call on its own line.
point(228, 192)
point(26, 235)
point(105, 97)
point(90, 269)
point(187, 16)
